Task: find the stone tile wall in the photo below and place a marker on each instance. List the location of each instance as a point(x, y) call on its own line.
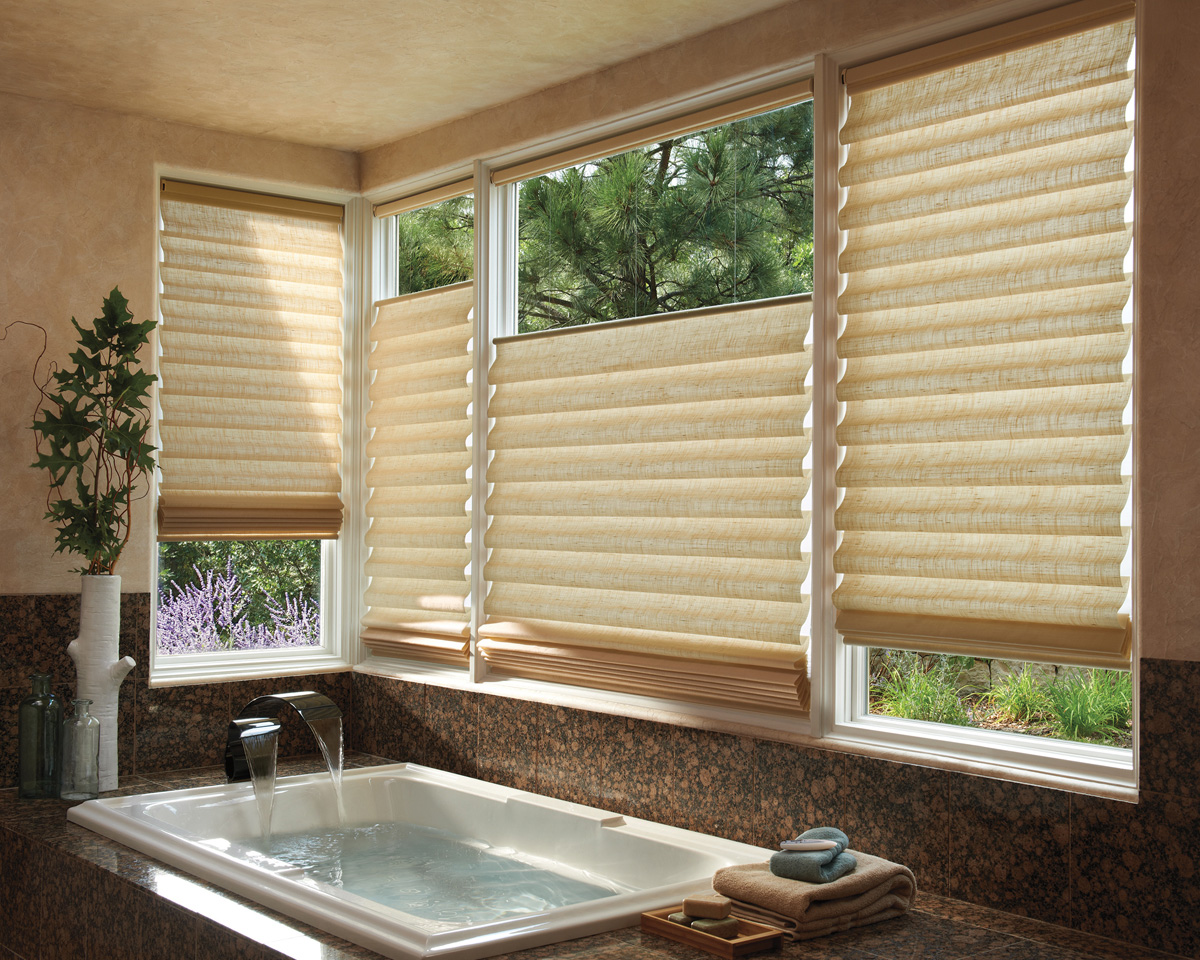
point(161, 728)
point(1126, 871)
point(1121, 870)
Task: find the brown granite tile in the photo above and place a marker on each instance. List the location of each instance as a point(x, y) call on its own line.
point(716, 784)
point(919, 936)
point(506, 746)
point(135, 632)
point(638, 774)
point(1134, 869)
point(10, 702)
point(214, 942)
point(180, 727)
point(451, 727)
point(295, 739)
point(388, 717)
point(825, 948)
point(1169, 759)
point(891, 810)
point(1048, 934)
point(113, 905)
point(570, 750)
point(164, 931)
point(1028, 950)
point(36, 631)
point(615, 763)
point(1009, 847)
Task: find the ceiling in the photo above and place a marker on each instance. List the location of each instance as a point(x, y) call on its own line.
point(349, 74)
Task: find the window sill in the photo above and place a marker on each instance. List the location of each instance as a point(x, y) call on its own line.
point(1072, 767)
point(182, 669)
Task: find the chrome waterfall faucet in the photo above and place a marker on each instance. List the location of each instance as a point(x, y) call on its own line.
point(260, 717)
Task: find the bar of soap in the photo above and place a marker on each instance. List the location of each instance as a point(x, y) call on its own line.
point(726, 929)
point(680, 918)
point(712, 908)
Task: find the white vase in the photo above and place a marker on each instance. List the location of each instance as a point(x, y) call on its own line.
point(98, 670)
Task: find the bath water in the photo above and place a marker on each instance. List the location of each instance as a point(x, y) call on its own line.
point(432, 874)
point(329, 737)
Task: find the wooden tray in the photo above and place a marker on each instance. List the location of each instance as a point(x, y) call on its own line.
point(752, 937)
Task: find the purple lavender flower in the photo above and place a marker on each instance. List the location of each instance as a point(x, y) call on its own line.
point(209, 616)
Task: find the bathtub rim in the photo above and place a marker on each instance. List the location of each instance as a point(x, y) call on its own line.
point(369, 924)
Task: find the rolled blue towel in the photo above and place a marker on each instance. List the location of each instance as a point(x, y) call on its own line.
point(816, 866)
point(793, 865)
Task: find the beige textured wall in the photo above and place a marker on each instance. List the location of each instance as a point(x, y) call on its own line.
point(1167, 348)
point(77, 201)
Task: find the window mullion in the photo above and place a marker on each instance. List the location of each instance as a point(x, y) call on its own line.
point(495, 315)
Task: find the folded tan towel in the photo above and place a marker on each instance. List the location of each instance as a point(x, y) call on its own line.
point(877, 890)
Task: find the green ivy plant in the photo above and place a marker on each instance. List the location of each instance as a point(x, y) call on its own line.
point(90, 430)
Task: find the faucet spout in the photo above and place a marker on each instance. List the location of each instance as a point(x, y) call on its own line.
point(260, 711)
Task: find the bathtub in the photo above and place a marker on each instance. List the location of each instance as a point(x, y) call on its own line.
point(214, 833)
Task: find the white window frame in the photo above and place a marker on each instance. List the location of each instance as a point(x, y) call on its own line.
point(341, 559)
point(839, 719)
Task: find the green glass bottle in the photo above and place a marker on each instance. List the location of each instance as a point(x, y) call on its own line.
point(39, 725)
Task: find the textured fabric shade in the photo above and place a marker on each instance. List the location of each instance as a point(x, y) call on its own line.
point(986, 334)
point(250, 366)
point(420, 457)
point(647, 490)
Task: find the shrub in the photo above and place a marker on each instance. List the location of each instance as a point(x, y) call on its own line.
point(1098, 703)
point(914, 689)
point(210, 614)
point(1019, 697)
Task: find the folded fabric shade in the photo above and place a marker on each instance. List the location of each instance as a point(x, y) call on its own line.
point(877, 890)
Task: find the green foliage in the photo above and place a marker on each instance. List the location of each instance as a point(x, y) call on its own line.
point(715, 217)
point(1096, 704)
point(266, 569)
point(918, 688)
point(436, 245)
point(1020, 697)
point(718, 216)
point(91, 431)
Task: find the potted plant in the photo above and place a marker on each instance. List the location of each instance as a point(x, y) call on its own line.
point(91, 428)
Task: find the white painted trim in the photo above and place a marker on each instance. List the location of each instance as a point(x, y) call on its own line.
point(1078, 767)
point(495, 316)
point(339, 559)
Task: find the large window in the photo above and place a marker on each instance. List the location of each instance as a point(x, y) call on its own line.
point(985, 387)
point(667, 456)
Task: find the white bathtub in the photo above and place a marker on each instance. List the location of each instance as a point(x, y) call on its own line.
point(201, 831)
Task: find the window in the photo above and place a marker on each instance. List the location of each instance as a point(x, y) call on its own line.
point(639, 443)
point(421, 356)
point(984, 390)
point(250, 397)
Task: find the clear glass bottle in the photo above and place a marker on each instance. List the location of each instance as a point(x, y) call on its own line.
point(39, 725)
point(80, 754)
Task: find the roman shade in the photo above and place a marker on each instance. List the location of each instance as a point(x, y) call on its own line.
point(985, 346)
point(250, 366)
point(420, 427)
point(646, 512)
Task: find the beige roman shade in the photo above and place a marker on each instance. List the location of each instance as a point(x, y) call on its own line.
point(985, 345)
point(420, 427)
point(646, 521)
point(250, 366)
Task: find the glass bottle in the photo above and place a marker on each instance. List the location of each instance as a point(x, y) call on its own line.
point(81, 754)
point(39, 724)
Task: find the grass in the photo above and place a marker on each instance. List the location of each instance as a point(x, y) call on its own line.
point(1098, 704)
point(916, 690)
point(1094, 706)
point(1019, 697)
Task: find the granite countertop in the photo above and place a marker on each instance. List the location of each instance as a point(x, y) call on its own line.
point(936, 928)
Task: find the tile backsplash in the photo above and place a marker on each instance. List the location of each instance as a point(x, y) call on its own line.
point(1121, 870)
point(161, 728)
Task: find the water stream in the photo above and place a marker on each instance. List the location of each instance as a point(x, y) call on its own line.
point(261, 752)
point(329, 737)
